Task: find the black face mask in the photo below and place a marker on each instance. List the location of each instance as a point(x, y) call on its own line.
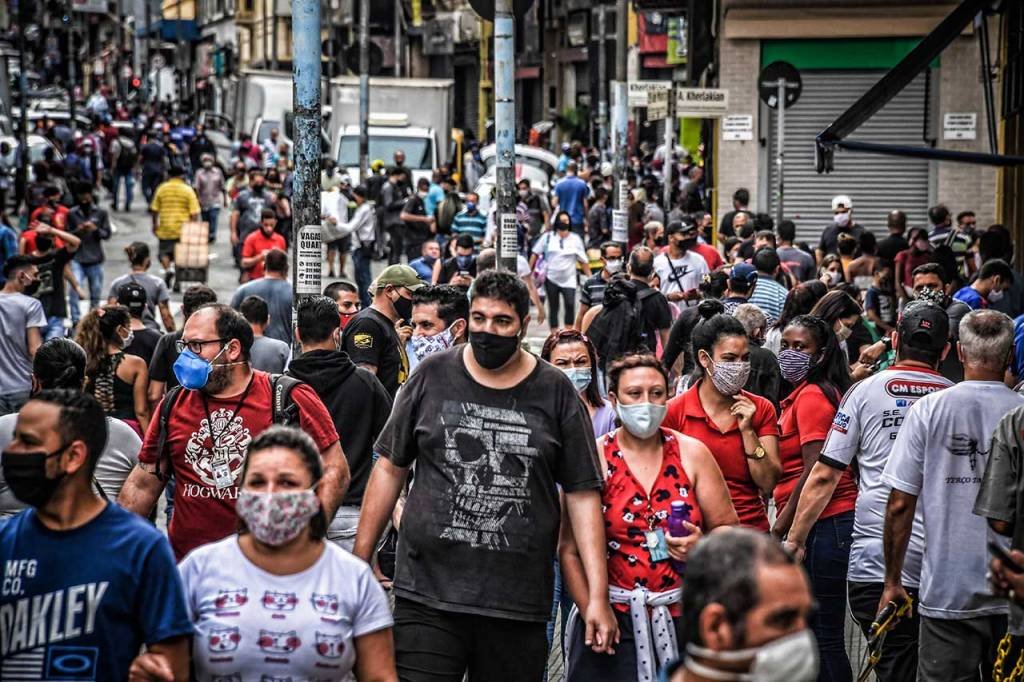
point(491, 350)
point(44, 244)
point(31, 288)
point(661, 241)
point(403, 306)
point(26, 476)
point(257, 189)
point(687, 244)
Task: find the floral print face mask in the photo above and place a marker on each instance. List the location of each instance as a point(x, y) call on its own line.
point(277, 518)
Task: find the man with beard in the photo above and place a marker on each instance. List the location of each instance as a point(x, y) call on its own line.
point(356, 400)
point(440, 315)
point(222, 405)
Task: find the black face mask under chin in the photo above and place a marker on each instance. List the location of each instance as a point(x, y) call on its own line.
point(25, 474)
point(492, 351)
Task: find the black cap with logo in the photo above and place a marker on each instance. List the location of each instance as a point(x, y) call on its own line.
point(924, 326)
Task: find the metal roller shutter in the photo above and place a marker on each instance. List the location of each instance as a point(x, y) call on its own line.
point(876, 184)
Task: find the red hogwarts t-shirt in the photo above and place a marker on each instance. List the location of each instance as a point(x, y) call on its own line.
point(204, 512)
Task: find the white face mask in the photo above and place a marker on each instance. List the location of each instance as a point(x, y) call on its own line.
point(641, 419)
point(995, 296)
point(843, 332)
point(613, 266)
point(842, 219)
point(793, 658)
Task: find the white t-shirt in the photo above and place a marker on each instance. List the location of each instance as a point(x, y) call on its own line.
point(680, 274)
point(940, 455)
point(865, 429)
point(250, 623)
point(561, 255)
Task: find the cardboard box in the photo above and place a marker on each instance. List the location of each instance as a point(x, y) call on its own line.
point(195, 233)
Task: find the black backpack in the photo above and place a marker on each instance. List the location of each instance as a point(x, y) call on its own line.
point(283, 411)
point(619, 328)
point(129, 154)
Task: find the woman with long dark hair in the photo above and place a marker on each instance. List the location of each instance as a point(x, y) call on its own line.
point(800, 301)
point(813, 362)
point(117, 380)
point(844, 316)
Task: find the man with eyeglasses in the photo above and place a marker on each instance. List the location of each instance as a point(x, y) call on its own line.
point(204, 437)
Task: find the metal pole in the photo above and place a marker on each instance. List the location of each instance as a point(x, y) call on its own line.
point(398, 38)
point(148, 65)
point(670, 147)
point(266, 37)
point(273, 34)
point(21, 172)
point(620, 113)
point(330, 53)
point(505, 132)
point(364, 90)
point(307, 261)
point(72, 76)
point(602, 80)
point(986, 68)
point(780, 139)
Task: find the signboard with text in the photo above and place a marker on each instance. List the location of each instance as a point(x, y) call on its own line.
point(638, 91)
point(701, 102)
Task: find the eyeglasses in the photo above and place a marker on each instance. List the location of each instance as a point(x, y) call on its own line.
point(195, 345)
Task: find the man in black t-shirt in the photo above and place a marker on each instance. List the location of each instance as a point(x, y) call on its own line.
point(418, 224)
point(373, 338)
point(656, 316)
point(51, 262)
point(491, 430)
point(888, 247)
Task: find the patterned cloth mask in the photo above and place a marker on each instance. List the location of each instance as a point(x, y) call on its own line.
point(277, 518)
point(794, 365)
point(423, 346)
point(729, 377)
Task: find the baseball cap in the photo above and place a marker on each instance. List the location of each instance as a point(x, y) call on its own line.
point(132, 295)
point(743, 272)
point(924, 326)
point(399, 276)
point(606, 169)
point(841, 201)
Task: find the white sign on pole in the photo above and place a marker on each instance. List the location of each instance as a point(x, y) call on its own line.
point(960, 126)
point(509, 238)
point(657, 104)
point(639, 91)
point(95, 6)
point(701, 102)
point(620, 226)
point(623, 193)
point(310, 258)
point(738, 128)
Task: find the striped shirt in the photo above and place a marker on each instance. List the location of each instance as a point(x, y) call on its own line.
point(474, 224)
point(769, 296)
point(174, 203)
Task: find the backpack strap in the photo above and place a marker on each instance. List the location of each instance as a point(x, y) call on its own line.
point(284, 410)
point(161, 444)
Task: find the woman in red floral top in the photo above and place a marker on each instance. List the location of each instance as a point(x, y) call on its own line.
point(646, 468)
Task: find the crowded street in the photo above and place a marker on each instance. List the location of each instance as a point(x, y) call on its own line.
point(511, 341)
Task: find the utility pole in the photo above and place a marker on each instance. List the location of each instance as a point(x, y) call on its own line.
point(780, 140)
point(364, 90)
point(72, 74)
point(330, 51)
point(602, 79)
point(620, 113)
point(307, 256)
point(505, 133)
point(398, 38)
point(273, 34)
point(21, 172)
point(148, 68)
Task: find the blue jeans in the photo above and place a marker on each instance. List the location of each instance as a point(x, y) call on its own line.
point(361, 260)
point(826, 562)
point(93, 274)
point(129, 188)
point(54, 328)
point(210, 216)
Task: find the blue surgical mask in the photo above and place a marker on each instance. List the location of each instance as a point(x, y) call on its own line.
point(470, 206)
point(579, 376)
point(192, 371)
point(641, 419)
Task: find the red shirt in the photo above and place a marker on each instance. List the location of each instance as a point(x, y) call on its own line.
point(30, 241)
point(687, 415)
point(711, 255)
point(255, 244)
point(629, 512)
point(204, 513)
point(807, 416)
point(60, 215)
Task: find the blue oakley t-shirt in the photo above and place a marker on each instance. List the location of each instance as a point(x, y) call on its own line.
point(78, 604)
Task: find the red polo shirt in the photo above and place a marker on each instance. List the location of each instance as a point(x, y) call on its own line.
point(711, 255)
point(807, 416)
point(687, 415)
point(255, 244)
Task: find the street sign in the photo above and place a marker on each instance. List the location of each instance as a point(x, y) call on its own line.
point(960, 126)
point(768, 84)
point(623, 193)
point(620, 226)
point(485, 8)
point(701, 102)
point(638, 91)
point(508, 236)
point(739, 128)
point(657, 104)
point(309, 257)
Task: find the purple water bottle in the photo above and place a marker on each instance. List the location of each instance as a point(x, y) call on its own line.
point(680, 513)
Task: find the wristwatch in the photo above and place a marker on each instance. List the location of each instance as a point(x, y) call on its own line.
point(758, 453)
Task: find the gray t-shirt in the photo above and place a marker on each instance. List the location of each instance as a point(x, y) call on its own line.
point(864, 429)
point(116, 461)
point(18, 312)
point(278, 295)
point(269, 355)
point(156, 293)
point(939, 455)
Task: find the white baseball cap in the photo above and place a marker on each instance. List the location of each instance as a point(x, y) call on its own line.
point(841, 201)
